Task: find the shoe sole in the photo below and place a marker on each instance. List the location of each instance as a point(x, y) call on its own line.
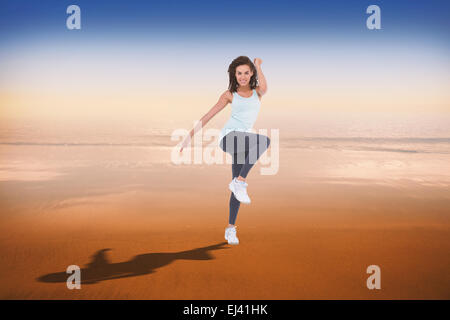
point(231, 187)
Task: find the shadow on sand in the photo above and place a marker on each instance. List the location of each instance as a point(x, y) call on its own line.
point(100, 268)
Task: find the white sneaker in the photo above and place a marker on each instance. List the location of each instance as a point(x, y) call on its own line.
point(230, 235)
point(239, 188)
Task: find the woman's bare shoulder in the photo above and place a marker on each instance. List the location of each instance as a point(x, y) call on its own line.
point(227, 95)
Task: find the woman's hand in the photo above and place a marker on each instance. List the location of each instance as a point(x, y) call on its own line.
point(257, 62)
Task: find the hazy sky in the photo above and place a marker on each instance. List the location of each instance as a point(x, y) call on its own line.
point(168, 60)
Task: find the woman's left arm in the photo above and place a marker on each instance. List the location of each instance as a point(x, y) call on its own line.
point(261, 79)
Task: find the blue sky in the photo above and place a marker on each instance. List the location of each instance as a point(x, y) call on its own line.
point(173, 56)
point(21, 20)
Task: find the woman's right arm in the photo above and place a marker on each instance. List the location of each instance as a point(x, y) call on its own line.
point(224, 99)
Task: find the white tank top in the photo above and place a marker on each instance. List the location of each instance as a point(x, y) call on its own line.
point(244, 112)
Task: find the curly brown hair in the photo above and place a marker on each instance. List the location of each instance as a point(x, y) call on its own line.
point(239, 61)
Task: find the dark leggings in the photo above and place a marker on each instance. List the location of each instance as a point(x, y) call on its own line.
point(245, 148)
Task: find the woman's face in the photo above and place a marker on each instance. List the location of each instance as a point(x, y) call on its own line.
point(243, 75)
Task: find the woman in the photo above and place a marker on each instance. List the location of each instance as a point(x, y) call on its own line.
point(246, 87)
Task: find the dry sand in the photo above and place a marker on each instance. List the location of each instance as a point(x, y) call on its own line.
point(310, 239)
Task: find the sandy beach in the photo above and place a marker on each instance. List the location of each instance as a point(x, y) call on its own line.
point(155, 231)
